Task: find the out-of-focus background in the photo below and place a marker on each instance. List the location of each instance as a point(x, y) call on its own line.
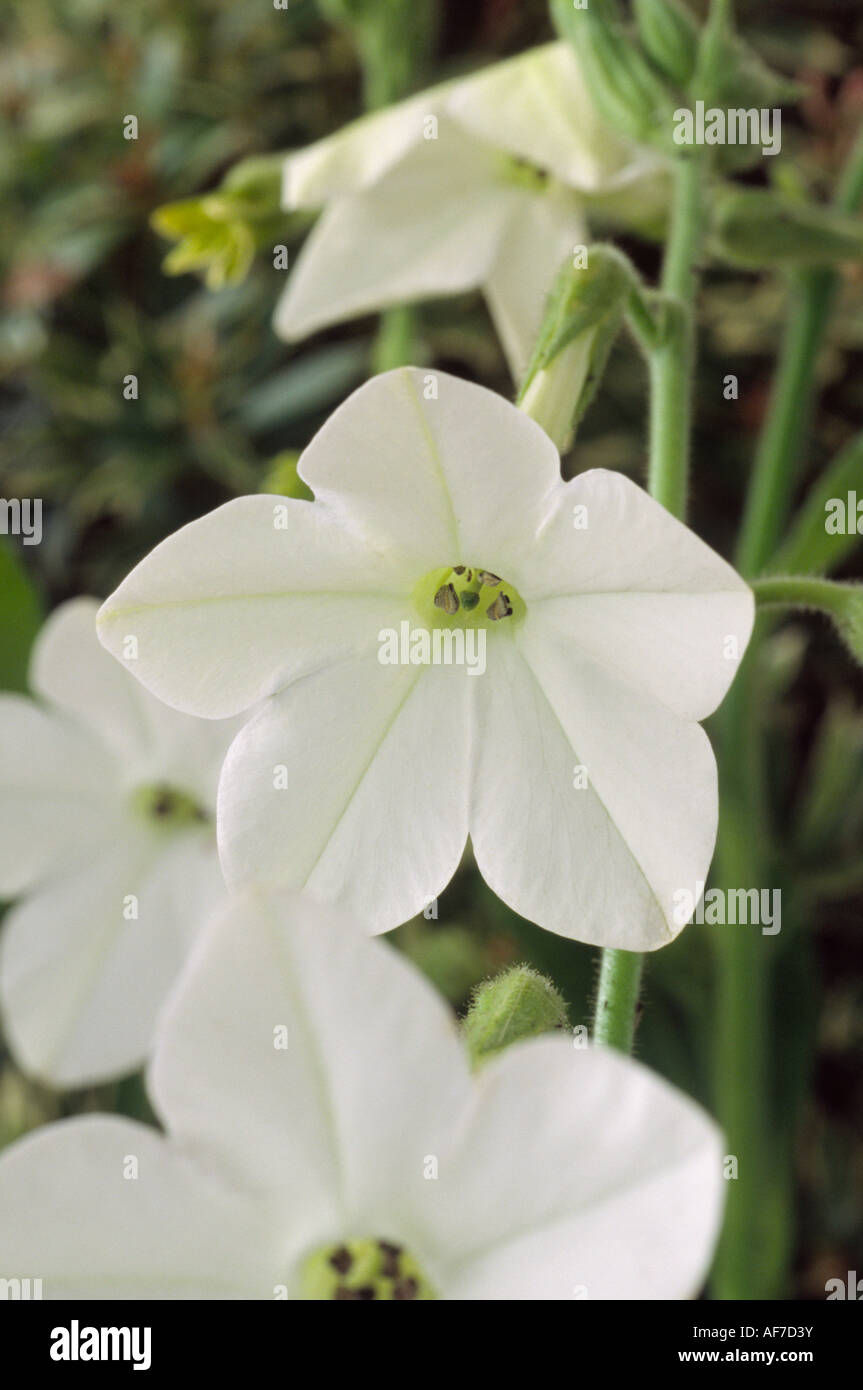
point(84, 302)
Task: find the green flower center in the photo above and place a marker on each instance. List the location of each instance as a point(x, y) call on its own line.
point(362, 1270)
point(467, 596)
point(520, 172)
point(167, 806)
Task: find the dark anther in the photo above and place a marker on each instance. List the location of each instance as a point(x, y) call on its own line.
point(341, 1259)
point(406, 1288)
point(391, 1254)
point(447, 599)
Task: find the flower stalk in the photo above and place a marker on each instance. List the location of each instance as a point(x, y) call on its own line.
point(672, 370)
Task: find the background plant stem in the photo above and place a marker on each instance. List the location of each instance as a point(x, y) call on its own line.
point(753, 1251)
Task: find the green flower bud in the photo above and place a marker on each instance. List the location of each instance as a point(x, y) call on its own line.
point(516, 1005)
point(758, 228)
point(582, 319)
point(669, 34)
point(218, 234)
point(628, 92)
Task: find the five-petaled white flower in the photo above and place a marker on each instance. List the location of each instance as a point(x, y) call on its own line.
point(108, 802)
point(603, 630)
point(325, 1138)
point(481, 182)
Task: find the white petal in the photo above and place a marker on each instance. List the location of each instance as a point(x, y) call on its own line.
point(372, 1070)
point(581, 1175)
point(231, 608)
point(72, 1216)
point(544, 232)
point(538, 107)
point(374, 815)
point(431, 226)
point(75, 673)
point(357, 156)
point(441, 471)
point(59, 795)
point(601, 863)
point(81, 980)
point(642, 594)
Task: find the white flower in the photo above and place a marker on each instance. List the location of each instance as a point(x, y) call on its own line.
point(108, 809)
point(317, 1102)
point(480, 182)
point(574, 761)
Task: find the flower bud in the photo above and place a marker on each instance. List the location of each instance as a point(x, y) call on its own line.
point(628, 92)
point(516, 1005)
point(582, 318)
point(217, 234)
point(755, 228)
point(669, 34)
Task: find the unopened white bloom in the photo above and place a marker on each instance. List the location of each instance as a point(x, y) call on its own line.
point(325, 1138)
point(587, 630)
point(107, 801)
point(479, 182)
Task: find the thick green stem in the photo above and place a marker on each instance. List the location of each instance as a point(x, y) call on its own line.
point(395, 344)
point(745, 1263)
point(672, 366)
point(390, 69)
point(617, 999)
point(785, 430)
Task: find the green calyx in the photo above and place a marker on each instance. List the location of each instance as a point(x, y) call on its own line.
point(168, 807)
point(468, 596)
point(364, 1270)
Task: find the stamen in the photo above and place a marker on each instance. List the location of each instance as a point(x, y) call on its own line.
point(360, 1271)
point(501, 608)
point(447, 599)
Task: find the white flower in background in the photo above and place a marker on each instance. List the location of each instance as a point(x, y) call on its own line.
point(325, 1138)
point(574, 761)
point(479, 182)
point(107, 801)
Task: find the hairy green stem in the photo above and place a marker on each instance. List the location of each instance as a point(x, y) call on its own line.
point(800, 591)
point(617, 999)
point(672, 367)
